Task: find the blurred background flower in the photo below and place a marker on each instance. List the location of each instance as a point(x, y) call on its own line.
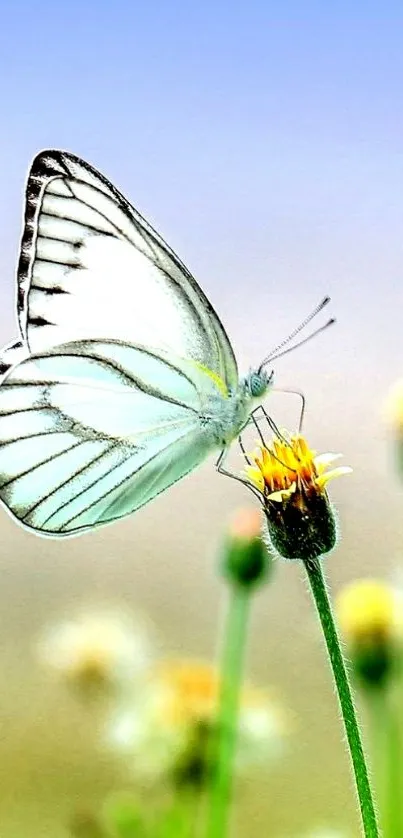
point(394, 406)
point(97, 650)
point(246, 560)
point(370, 614)
point(165, 732)
point(394, 417)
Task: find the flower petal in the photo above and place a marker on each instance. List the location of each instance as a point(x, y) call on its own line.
point(255, 476)
point(283, 493)
point(322, 461)
point(330, 475)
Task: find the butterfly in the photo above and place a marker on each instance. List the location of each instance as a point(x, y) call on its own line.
point(123, 379)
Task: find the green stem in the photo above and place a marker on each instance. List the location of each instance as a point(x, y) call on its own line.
point(322, 602)
point(231, 681)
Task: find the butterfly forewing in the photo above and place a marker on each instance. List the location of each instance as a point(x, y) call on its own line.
point(12, 354)
point(92, 267)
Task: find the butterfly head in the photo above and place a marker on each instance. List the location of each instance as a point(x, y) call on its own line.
point(258, 382)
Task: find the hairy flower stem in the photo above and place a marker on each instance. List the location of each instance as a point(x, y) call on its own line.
point(322, 602)
point(235, 631)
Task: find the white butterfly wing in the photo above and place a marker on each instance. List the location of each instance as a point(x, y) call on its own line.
point(12, 354)
point(92, 267)
point(85, 440)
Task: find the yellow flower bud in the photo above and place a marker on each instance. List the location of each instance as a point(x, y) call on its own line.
point(369, 614)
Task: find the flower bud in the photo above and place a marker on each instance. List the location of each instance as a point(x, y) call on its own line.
point(246, 560)
point(302, 526)
point(292, 481)
point(369, 614)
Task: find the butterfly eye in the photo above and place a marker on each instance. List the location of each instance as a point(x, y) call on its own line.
point(258, 383)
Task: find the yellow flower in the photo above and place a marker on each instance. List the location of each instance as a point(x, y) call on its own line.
point(394, 407)
point(288, 465)
point(370, 617)
point(167, 729)
point(292, 479)
point(394, 417)
point(368, 609)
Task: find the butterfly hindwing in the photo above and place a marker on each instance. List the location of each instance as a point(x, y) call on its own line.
point(91, 431)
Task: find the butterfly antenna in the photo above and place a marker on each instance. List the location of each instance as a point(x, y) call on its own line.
point(276, 352)
point(305, 340)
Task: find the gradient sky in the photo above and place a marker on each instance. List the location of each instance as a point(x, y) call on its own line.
point(265, 142)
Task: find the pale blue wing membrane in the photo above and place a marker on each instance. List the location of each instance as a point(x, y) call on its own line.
point(84, 441)
point(92, 267)
point(126, 486)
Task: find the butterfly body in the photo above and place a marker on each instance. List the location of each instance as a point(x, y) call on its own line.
point(123, 379)
point(224, 417)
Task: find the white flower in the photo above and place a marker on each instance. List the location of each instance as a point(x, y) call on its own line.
point(96, 648)
point(167, 727)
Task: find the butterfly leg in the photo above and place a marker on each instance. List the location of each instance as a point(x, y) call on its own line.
point(224, 453)
point(220, 466)
point(293, 393)
point(253, 419)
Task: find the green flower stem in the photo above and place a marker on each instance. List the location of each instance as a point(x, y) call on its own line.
point(235, 631)
point(322, 602)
